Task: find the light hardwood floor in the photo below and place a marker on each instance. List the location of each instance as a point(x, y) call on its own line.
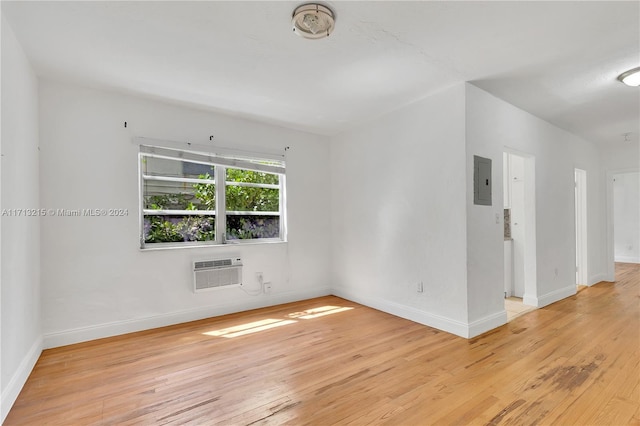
point(573, 362)
point(515, 307)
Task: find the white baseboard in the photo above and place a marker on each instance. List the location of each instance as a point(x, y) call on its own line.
point(597, 278)
point(12, 390)
point(83, 334)
point(440, 322)
point(487, 323)
point(531, 300)
point(627, 259)
point(554, 296)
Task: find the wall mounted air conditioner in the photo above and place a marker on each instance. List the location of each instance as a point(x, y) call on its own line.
point(217, 273)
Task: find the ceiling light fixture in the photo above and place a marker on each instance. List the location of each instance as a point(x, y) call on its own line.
point(631, 77)
point(313, 21)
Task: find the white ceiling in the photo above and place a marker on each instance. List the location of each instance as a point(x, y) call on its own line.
point(557, 60)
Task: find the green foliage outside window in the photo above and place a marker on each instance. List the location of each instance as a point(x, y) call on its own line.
point(169, 202)
point(206, 193)
point(160, 229)
point(247, 198)
point(251, 227)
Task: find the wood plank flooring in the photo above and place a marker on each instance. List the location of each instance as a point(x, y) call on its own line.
point(515, 307)
point(328, 361)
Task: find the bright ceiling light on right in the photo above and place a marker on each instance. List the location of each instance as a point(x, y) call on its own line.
point(631, 77)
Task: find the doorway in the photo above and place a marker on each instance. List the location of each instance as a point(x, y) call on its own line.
point(616, 182)
point(520, 239)
point(626, 211)
point(581, 226)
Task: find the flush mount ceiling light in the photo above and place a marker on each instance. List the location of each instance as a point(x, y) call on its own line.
point(313, 21)
point(631, 77)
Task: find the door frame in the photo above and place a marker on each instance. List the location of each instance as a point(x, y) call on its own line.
point(530, 257)
point(611, 265)
point(582, 259)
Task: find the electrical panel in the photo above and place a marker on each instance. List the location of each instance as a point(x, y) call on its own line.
point(481, 181)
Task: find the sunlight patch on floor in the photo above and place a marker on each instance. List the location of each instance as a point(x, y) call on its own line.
point(318, 312)
point(266, 324)
point(251, 327)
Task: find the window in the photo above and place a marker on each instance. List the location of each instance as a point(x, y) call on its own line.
point(189, 198)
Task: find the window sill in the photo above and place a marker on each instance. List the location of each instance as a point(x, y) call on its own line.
point(230, 243)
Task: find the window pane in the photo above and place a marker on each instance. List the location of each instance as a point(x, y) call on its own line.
point(196, 170)
point(252, 198)
point(237, 175)
point(185, 191)
point(170, 195)
point(161, 195)
point(250, 227)
point(249, 199)
point(172, 229)
point(152, 166)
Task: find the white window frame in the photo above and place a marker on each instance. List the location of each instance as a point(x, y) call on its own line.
point(220, 164)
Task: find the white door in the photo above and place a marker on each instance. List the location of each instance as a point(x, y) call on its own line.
point(517, 181)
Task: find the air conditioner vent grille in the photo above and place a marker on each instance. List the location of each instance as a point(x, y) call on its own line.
point(216, 273)
point(213, 263)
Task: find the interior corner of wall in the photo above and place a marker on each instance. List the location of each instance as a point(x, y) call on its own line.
point(10, 392)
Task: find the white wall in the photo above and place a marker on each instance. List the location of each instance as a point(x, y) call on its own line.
point(21, 339)
point(403, 210)
point(620, 156)
point(586, 156)
point(626, 217)
point(399, 212)
point(493, 126)
point(95, 280)
point(485, 237)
